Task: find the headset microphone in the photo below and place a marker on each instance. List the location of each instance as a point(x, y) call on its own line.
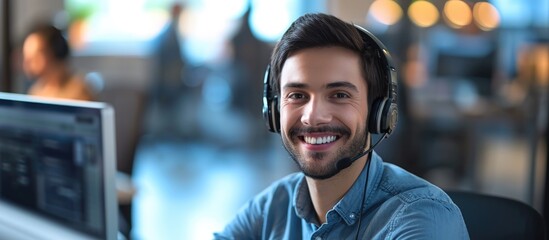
point(346, 162)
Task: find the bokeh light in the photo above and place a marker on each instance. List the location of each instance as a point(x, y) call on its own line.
point(270, 19)
point(457, 13)
point(387, 12)
point(486, 16)
point(423, 13)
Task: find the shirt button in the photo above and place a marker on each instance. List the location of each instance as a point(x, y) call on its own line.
point(352, 216)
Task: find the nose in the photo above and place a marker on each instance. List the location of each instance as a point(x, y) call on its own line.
point(316, 113)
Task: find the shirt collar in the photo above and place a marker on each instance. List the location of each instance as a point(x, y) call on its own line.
point(302, 201)
point(349, 206)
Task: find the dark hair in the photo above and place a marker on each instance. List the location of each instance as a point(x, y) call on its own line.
point(322, 30)
point(53, 39)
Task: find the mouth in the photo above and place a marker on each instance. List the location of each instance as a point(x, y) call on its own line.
point(319, 140)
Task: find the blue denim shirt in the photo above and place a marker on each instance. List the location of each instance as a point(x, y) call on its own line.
point(398, 205)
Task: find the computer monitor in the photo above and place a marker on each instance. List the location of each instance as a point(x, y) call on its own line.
point(477, 68)
point(57, 169)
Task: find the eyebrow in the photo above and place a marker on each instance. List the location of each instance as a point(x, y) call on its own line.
point(341, 84)
point(347, 85)
point(295, 85)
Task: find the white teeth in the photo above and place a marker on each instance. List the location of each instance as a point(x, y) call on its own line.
point(320, 140)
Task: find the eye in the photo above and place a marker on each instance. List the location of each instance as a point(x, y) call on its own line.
point(341, 95)
point(296, 96)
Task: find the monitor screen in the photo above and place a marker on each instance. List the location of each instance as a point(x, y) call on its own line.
point(477, 69)
point(57, 169)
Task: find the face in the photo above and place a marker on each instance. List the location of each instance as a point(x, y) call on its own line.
point(323, 108)
point(34, 56)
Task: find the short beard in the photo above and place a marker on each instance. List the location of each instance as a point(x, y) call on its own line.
point(353, 148)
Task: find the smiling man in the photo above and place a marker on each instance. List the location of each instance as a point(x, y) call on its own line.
point(330, 85)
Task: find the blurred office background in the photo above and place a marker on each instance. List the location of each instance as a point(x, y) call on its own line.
point(185, 78)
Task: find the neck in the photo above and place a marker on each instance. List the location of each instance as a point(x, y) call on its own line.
point(55, 76)
point(326, 193)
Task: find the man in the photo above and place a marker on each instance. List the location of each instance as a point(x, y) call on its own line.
point(45, 59)
point(328, 78)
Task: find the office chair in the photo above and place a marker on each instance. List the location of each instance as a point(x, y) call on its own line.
point(492, 217)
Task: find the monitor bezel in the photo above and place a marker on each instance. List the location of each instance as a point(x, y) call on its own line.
point(35, 224)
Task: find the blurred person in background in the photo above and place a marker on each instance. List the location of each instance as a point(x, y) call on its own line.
point(45, 60)
point(330, 86)
point(167, 88)
point(169, 59)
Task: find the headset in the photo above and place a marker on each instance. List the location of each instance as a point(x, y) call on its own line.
point(383, 115)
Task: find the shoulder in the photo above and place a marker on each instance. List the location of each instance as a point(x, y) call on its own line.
point(428, 218)
point(415, 206)
point(397, 182)
point(266, 210)
point(278, 194)
point(283, 189)
point(78, 88)
point(77, 81)
point(405, 189)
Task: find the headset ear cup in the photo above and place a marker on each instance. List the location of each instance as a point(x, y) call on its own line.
point(271, 115)
point(267, 116)
point(276, 116)
point(374, 115)
point(383, 120)
point(384, 117)
point(389, 118)
point(270, 104)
